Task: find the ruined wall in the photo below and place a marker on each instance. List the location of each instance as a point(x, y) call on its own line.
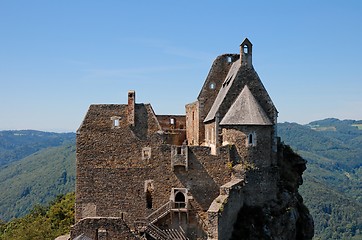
point(175, 127)
point(211, 87)
point(223, 211)
point(102, 229)
point(192, 123)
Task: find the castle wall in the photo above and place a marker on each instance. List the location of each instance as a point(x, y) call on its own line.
point(192, 123)
point(115, 166)
point(102, 229)
point(223, 211)
point(259, 152)
point(175, 127)
point(211, 87)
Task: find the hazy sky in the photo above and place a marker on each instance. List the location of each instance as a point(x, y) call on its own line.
point(58, 57)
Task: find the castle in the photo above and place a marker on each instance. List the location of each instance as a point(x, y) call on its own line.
point(147, 176)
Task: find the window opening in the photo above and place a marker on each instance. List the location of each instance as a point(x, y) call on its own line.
point(116, 122)
point(172, 121)
point(148, 199)
point(180, 200)
point(146, 153)
point(148, 191)
point(246, 49)
point(212, 86)
point(250, 139)
point(178, 149)
point(228, 58)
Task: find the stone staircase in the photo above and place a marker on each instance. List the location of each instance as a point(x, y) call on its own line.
point(147, 225)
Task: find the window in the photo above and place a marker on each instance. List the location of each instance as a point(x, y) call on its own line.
point(149, 188)
point(228, 59)
point(115, 121)
point(146, 153)
point(212, 86)
point(172, 121)
point(180, 200)
point(178, 149)
point(246, 49)
point(148, 199)
point(251, 139)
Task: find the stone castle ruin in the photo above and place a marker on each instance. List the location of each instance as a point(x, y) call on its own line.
point(218, 172)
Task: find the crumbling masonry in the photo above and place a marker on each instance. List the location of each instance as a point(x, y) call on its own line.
point(147, 176)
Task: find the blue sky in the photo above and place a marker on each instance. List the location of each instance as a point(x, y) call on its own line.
point(58, 57)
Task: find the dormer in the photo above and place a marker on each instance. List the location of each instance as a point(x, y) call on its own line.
point(246, 52)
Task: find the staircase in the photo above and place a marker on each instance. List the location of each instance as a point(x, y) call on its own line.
point(168, 234)
point(147, 225)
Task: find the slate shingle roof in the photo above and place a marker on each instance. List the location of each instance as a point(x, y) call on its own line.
point(245, 111)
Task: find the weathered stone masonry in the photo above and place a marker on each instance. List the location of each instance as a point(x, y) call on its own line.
point(142, 175)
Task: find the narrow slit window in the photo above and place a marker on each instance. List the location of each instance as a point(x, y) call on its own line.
point(250, 139)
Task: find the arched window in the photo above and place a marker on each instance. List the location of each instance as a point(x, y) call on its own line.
point(246, 49)
point(250, 140)
point(180, 200)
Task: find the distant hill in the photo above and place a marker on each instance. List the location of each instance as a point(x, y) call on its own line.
point(332, 182)
point(39, 177)
point(15, 145)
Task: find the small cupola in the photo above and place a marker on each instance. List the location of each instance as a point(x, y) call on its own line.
point(246, 52)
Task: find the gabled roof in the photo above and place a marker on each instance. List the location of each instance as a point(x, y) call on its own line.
point(245, 111)
point(228, 82)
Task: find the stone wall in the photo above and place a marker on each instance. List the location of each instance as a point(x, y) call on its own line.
point(192, 123)
point(223, 211)
point(102, 229)
point(211, 87)
point(258, 153)
point(114, 165)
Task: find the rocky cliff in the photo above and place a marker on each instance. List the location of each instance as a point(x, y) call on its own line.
point(285, 218)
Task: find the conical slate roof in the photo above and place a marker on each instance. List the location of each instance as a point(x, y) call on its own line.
point(246, 111)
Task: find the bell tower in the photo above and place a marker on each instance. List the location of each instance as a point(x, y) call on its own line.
point(246, 52)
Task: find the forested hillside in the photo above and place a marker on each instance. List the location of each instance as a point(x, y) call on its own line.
point(332, 182)
point(15, 145)
point(43, 222)
point(39, 177)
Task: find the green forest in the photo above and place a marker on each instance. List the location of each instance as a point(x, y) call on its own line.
point(31, 182)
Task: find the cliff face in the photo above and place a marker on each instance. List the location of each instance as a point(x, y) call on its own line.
point(285, 218)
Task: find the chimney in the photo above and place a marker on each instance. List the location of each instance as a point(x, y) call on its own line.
point(131, 108)
point(246, 50)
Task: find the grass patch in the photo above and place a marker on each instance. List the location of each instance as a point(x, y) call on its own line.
point(359, 126)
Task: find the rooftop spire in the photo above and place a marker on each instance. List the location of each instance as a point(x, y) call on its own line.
point(246, 52)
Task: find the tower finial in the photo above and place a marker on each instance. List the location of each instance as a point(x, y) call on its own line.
point(246, 52)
